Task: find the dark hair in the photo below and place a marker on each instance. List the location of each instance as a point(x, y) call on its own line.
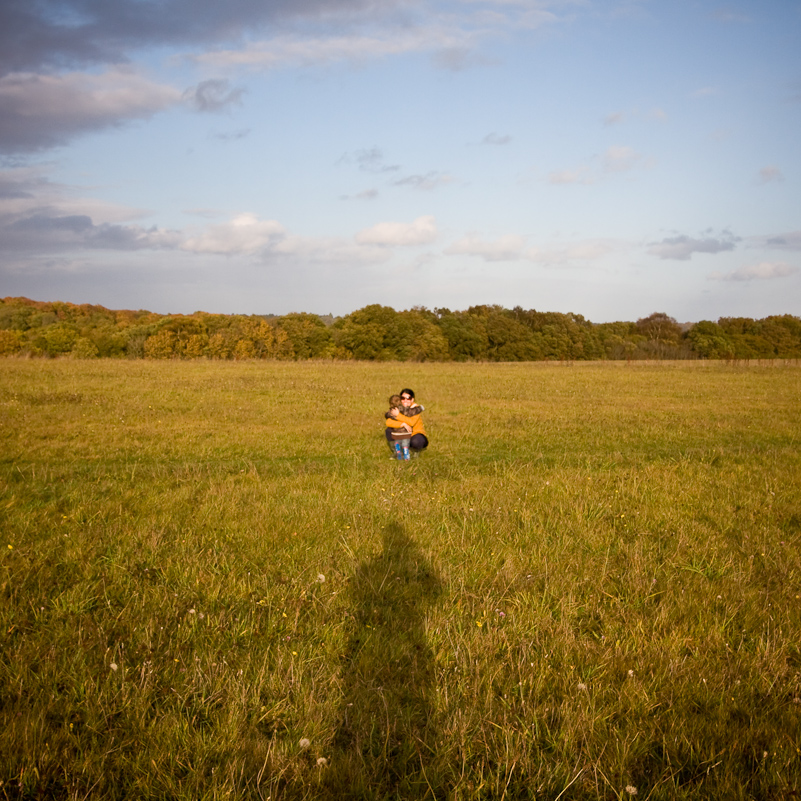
point(409, 392)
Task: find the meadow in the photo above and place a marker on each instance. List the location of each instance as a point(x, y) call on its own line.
point(216, 583)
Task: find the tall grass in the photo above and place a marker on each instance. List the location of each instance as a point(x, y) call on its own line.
point(215, 583)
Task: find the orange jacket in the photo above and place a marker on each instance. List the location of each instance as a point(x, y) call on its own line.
point(415, 421)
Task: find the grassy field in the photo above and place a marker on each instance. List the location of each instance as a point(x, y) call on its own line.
point(215, 583)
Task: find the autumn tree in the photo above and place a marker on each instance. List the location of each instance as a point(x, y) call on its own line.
point(709, 341)
point(309, 335)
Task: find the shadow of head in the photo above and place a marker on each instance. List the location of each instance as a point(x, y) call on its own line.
point(400, 579)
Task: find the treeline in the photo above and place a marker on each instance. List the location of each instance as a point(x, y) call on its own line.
point(482, 333)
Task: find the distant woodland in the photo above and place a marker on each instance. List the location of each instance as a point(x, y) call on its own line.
point(379, 333)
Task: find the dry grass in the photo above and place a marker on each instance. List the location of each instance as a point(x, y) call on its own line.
point(590, 583)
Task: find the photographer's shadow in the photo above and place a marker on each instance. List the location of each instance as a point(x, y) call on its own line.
point(386, 736)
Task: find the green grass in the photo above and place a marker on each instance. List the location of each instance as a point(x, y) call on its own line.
point(214, 582)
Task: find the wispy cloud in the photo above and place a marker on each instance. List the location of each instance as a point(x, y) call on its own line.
point(28, 191)
point(32, 36)
point(725, 14)
point(620, 159)
point(496, 139)
point(427, 182)
point(770, 174)
point(682, 247)
point(453, 46)
point(421, 231)
point(213, 95)
point(763, 271)
point(367, 194)
point(578, 175)
point(582, 251)
point(512, 247)
point(616, 159)
point(231, 136)
point(787, 241)
point(505, 248)
point(368, 160)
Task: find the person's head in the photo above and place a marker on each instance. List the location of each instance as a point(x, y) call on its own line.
point(407, 397)
point(395, 402)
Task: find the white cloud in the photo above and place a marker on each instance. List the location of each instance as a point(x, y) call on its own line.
point(764, 271)
point(681, 248)
point(245, 233)
point(614, 118)
point(41, 111)
point(505, 248)
point(420, 232)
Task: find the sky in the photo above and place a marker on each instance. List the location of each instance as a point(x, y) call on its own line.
point(608, 158)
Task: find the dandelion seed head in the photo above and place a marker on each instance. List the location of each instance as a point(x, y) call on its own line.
point(320, 578)
point(304, 742)
point(113, 666)
point(582, 685)
point(321, 762)
point(631, 790)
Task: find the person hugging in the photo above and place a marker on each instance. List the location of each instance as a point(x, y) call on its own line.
point(404, 426)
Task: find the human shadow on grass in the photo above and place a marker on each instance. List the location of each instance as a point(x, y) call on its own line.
point(386, 738)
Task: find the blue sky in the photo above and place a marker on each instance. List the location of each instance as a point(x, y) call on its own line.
point(610, 158)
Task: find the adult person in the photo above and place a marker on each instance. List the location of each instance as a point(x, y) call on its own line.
point(410, 414)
